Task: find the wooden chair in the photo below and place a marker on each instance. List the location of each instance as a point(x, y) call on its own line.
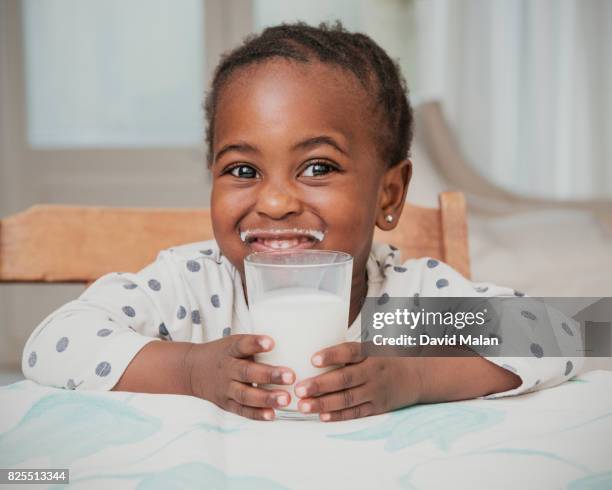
point(56, 243)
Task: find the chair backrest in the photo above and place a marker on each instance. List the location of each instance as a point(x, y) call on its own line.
point(56, 243)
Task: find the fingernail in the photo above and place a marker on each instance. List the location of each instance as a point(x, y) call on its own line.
point(283, 400)
point(325, 417)
point(300, 391)
point(268, 415)
point(265, 343)
point(306, 407)
point(317, 360)
point(287, 377)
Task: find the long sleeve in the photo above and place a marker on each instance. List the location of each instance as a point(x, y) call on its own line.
point(527, 325)
point(185, 295)
point(547, 336)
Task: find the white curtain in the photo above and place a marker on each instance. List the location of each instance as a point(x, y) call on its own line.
point(527, 88)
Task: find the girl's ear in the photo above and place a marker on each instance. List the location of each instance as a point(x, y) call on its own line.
point(394, 186)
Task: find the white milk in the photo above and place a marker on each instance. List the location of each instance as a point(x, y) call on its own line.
point(301, 321)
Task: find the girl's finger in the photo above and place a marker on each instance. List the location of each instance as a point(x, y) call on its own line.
point(247, 371)
point(363, 410)
point(333, 402)
point(345, 353)
point(245, 394)
point(250, 412)
point(245, 345)
point(336, 380)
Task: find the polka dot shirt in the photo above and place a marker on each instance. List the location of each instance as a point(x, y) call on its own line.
point(193, 293)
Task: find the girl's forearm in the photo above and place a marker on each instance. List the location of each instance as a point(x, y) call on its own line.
point(460, 378)
point(159, 367)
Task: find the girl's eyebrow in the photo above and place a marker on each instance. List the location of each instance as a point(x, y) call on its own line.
point(302, 145)
point(319, 140)
point(242, 147)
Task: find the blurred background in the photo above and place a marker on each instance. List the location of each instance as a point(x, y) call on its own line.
point(100, 104)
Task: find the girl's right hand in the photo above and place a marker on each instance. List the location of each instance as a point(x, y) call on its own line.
point(222, 371)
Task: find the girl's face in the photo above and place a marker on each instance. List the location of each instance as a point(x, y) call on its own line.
point(295, 164)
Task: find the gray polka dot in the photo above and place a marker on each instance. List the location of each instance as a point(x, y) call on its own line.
point(129, 311)
point(441, 283)
point(214, 299)
point(537, 382)
point(71, 385)
point(208, 251)
point(195, 317)
point(509, 367)
point(567, 329)
point(154, 284)
point(130, 285)
point(528, 314)
point(193, 266)
point(431, 263)
point(536, 350)
point(227, 331)
point(61, 344)
point(518, 293)
point(384, 299)
point(103, 369)
point(378, 263)
point(387, 265)
point(481, 289)
point(399, 269)
point(568, 367)
point(110, 319)
point(32, 359)
point(394, 248)
point(104, 332)
point(181, 312)
point(163, 331)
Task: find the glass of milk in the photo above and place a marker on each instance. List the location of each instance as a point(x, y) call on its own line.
point(301, 299)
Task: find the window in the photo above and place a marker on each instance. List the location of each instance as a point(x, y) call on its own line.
point(114, 73)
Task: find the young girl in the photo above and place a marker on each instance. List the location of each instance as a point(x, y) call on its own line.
point(309, 133)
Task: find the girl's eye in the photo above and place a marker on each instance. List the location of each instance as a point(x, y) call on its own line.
point(243, 171)
point(314, 169)
point(318, 168)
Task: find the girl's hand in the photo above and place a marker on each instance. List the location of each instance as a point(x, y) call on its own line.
point(365, 386)
point(222, 372)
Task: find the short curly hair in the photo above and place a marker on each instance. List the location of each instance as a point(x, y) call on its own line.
point(332, 44)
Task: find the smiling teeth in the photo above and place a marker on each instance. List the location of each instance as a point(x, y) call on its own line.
point(280, 244)
point(316, 234)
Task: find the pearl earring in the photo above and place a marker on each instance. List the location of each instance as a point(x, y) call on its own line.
point(389, 218)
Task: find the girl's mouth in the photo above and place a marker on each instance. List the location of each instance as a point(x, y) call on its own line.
point(266, 241)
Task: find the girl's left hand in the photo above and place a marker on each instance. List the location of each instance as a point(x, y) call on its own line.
point(365, 386)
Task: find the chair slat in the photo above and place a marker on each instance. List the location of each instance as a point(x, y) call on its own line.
point(453, 216)
point(52, 243)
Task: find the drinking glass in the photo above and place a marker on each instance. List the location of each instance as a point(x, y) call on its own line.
point(301, 299)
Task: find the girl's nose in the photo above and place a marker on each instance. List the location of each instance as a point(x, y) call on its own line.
point(276, 201)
